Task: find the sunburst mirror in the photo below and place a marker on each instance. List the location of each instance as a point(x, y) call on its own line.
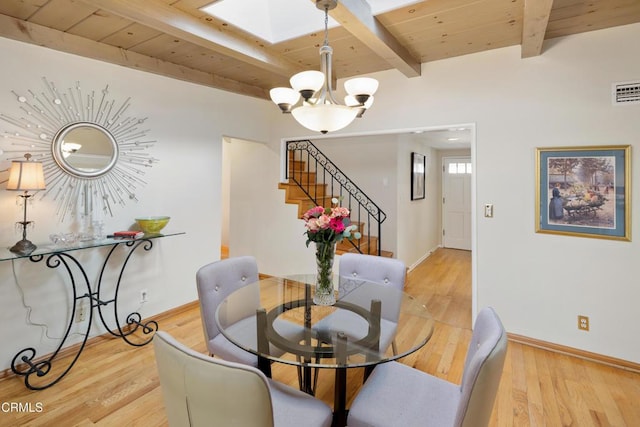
point(93, 153)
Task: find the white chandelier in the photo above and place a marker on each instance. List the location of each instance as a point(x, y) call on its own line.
point(319, 110)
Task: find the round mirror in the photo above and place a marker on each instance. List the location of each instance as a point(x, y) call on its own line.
point(85, 149)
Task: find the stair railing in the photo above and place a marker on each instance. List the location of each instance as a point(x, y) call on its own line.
point(330, 182)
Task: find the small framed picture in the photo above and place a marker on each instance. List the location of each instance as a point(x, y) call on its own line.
point(584, 191)
point(418, 167)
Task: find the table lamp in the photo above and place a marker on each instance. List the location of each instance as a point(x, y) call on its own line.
point(25, 175)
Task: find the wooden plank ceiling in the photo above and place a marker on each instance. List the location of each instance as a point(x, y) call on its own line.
point(176, 39)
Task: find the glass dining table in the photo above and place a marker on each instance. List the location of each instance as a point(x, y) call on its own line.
point(369, 324)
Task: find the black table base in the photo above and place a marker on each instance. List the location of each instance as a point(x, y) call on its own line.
point(26, 364)
point(307, 352)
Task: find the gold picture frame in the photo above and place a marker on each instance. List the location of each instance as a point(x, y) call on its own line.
point(584, 191)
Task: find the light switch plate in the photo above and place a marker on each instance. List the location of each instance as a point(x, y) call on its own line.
point(488, 210)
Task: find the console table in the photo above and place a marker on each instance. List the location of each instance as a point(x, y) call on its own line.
point(25, 363)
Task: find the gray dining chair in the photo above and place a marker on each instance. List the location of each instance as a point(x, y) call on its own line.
point(399, 395)
point(215, 282)
point(199, 390)
point(354, 269)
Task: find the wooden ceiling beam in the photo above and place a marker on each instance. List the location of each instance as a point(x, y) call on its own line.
point(534, 26)
point(160, 16)
point(27, 32)
point(355, 17)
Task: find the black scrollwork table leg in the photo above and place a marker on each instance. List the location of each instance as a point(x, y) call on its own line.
point(25, 363)
point(133, 319)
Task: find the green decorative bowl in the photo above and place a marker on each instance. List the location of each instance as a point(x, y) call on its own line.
point(152, 224)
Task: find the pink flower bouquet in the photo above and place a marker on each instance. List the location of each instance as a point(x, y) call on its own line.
point(329, 225)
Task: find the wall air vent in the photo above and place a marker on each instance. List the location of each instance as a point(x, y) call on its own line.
point(626, 93)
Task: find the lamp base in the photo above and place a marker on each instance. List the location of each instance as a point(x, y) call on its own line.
point(23, 247)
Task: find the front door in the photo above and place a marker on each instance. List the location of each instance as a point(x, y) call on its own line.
point(456, 203)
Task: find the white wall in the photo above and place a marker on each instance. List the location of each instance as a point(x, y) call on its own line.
point(188, 122)
point(418, 227)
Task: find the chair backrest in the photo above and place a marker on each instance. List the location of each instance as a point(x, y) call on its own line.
point(215, 281)
point(482, 370)
point(199, 390)
point(382, 270)
point(387, 272)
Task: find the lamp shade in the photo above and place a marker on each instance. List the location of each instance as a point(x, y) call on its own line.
point(307, 80)
point(284, 95)
point(25, 175)
point(361, 86)
point(324, 117)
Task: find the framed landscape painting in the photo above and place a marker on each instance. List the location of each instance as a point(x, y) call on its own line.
point(584, 191)
point(418, 167)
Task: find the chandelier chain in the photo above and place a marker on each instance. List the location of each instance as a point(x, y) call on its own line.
point(326, 26)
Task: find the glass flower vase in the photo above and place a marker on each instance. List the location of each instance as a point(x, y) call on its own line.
point(324, 293)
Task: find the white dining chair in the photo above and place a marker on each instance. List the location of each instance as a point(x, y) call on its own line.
point(215, 282)
point(354, 269)
point(199, 390)
point(397, 395)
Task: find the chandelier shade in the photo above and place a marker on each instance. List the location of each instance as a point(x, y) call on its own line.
point(307, 81)
point(284, 97)
point(319, 111)
point(324, 117)
point(361, 86)
point(351, 101)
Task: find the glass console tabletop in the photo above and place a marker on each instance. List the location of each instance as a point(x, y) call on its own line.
point(48, 248)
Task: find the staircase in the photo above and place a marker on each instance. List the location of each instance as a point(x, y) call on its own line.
point(313, 180)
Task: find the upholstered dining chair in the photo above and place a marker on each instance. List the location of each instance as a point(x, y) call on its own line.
point(215, 281)
point(387, 272)
point(199, 390)
point(398, 395)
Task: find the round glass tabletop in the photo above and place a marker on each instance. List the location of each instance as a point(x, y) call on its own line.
point(276, 319)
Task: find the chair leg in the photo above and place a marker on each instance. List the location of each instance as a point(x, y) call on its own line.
point(394, 347)
point(299, 368)
point(315, 377)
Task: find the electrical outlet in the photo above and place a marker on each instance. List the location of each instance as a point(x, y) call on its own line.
point(144, 296)
point(81, 312)
point(583, 323)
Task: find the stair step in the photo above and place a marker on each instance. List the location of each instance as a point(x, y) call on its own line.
point(306, 204)
point(364, 243)
point(294, 191)
point(304, 178)
point(297, 165)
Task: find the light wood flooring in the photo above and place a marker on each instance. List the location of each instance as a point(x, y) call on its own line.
point(113, 384)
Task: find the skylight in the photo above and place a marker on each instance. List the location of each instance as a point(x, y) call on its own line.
point(275, 21)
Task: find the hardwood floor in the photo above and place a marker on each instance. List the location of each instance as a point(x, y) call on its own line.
point(113, 384)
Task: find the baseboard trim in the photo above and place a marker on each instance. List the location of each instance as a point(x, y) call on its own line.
point(425, 256)
point(581, 354)
point(73, 349)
